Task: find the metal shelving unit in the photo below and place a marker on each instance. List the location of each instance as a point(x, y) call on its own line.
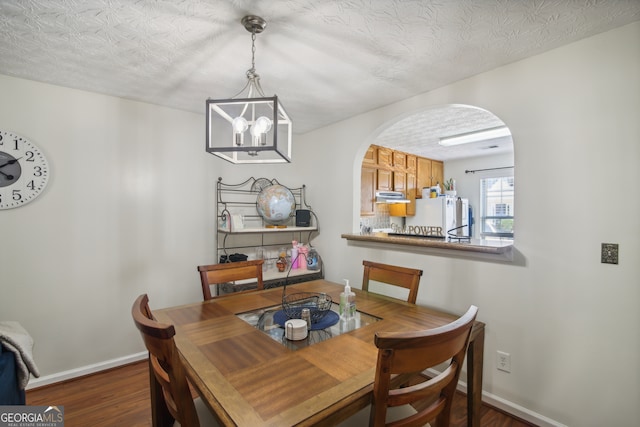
point(240, 229)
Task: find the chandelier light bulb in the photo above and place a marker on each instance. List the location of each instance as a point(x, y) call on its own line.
point(259, 131)
point(240, 125)
point(262, 125)
point(255, 138)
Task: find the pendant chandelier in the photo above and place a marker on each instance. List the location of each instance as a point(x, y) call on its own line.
point(249, 127)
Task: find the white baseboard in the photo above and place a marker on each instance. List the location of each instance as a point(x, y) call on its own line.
point(519, 411)
point(85, 370)
point(509, 407)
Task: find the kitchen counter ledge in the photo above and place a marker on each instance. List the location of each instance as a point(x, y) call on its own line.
point(476, 249)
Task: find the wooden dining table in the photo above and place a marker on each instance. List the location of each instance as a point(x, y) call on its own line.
point(248, 378)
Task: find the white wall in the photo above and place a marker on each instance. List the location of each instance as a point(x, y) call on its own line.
point(569, 322)
point(125, 212)
point(130, 207)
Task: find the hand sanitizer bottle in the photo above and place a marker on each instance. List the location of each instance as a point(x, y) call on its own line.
point(347, 302)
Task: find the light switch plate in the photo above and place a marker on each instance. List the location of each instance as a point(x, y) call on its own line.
point(609, 253)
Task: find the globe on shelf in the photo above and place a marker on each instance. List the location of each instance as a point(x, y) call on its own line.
point(276, 204)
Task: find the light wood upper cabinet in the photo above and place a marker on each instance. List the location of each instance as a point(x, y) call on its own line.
point(371, 156)
point(412, 162)
point(385, 157)
point(385, 180)
point(399, 160)
point(437, 174)
point(411, 192)
point(368, 177)
point(423, 175)
point(384, 169)
point(429, 173)
point(399, 181)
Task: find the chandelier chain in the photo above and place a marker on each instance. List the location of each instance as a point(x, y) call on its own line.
point(253, 52)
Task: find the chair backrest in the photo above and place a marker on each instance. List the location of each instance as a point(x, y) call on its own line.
point(413, 352)
point(216, 274)
point(165, 363)
point(408, 278)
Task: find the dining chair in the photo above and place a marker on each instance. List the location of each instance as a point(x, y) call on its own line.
point(166, 367)
point(216, 274)
point(407, 354)
point(404, 277)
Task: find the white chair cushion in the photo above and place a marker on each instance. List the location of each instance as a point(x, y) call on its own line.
point(394, 413)
point(205, 416)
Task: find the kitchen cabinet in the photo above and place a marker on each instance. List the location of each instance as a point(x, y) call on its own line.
point(368, 177)
point(399, 159)
point(399, 181)
point(423, 175)
point(412, 162)
point(437, 174)
point(385, 180)
point(384, 169)
point(429, 173)
point(371, 156)
point(405, 182)
point(411, 192)
point(385, 157)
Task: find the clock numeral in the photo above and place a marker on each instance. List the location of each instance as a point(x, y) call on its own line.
point(24, 171)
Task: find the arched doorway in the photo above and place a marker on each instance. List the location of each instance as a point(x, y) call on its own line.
point(482, 168)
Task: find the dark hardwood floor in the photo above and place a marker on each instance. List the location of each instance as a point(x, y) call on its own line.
point(120, 397)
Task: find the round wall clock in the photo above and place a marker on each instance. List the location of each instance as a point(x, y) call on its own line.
point(24, 170)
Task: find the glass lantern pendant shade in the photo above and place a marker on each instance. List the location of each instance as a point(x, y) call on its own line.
point(253, 128)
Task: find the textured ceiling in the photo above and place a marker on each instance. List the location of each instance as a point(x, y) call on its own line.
point(419, 133)
point(326, 60)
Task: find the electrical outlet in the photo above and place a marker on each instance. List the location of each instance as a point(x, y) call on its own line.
point(609, 254)
point(503, 361)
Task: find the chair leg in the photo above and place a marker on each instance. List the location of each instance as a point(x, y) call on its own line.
point(475, 356)
point(160, 416)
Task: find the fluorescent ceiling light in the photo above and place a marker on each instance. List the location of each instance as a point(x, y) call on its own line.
point(476, 136)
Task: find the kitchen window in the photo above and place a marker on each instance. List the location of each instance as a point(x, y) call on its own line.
point(496, 195)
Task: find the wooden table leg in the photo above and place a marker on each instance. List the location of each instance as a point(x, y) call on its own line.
point(475, 360)
point(160, 415)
